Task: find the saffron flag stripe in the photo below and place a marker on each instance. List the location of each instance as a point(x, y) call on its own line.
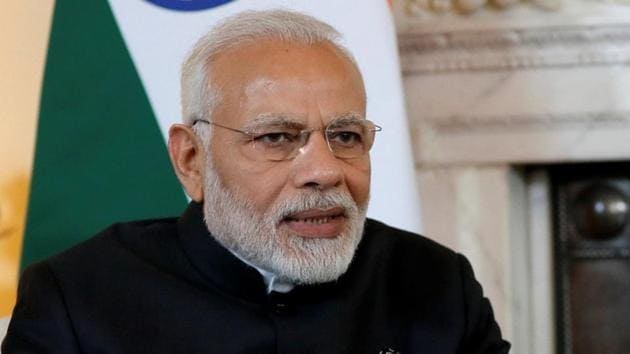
point(23, 43)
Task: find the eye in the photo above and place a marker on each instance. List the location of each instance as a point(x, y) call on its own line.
point(273, 139)
point(345, 137)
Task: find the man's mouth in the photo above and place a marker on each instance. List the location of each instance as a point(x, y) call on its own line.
point(317, 223)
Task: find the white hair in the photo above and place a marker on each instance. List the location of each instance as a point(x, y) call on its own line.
point(199, 96)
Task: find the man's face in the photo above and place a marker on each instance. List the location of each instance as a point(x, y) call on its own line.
point(301, 218)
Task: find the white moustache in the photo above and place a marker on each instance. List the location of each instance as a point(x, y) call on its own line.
point(315, 200)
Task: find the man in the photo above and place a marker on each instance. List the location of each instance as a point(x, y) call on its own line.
point(274, 254)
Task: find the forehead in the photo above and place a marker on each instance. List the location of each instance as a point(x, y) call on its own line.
point(277, 57)
point(291, 79)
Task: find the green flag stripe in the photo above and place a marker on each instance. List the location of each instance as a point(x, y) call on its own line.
point(99, 156)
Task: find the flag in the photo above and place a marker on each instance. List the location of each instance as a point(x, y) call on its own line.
point(110, 91)
point(24, 28)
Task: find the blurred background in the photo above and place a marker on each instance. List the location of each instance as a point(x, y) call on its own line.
point(518, 133)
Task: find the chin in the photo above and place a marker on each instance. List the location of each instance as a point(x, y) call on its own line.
point(308, 260)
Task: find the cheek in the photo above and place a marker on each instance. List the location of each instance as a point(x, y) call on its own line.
point(358, 182)
point(251, 181)
point(264, 188)
point(256, 182)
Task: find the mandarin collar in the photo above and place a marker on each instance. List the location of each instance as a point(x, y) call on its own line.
point(219, 267)
point(229, 275)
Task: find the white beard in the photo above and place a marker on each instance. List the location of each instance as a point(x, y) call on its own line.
point(255, 237)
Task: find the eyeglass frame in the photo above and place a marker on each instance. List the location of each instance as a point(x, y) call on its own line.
point(376, 128)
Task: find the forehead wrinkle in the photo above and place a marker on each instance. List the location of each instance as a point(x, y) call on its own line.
point(258, 84)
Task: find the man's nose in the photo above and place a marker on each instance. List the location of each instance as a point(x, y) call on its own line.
point(315, 166)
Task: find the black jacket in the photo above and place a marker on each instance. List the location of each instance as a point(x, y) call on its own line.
point(165, 286)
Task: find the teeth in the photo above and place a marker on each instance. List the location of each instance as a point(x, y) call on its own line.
point(317, 221)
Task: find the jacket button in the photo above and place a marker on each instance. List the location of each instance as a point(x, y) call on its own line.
point(280, 308)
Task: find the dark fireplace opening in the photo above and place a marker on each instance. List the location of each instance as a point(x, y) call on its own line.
point(591, 220)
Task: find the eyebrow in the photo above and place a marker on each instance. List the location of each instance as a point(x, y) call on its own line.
point(285, 121)
point(273, 120)
point(349, 117)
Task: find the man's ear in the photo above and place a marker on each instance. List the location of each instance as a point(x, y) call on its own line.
point(187, 157)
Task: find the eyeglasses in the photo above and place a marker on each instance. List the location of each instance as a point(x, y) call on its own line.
point(347, 138)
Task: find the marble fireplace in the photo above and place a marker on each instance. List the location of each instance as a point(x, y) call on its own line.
point(497, 92)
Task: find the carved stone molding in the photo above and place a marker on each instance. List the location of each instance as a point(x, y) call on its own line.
point(515, 49)
point(463, 124)
point(537, 37)
point(468, 7)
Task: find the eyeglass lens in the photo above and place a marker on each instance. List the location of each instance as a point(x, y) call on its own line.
point(347, 139)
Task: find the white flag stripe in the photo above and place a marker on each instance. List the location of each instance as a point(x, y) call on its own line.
point(158, 40)
point(4, 326)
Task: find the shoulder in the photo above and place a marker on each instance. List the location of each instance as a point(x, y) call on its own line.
point(406, 261)
point(414, 267)
point(430, 279)
point(65, 292)
point(137, 237)
point(400, 246)
point(120, 245)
